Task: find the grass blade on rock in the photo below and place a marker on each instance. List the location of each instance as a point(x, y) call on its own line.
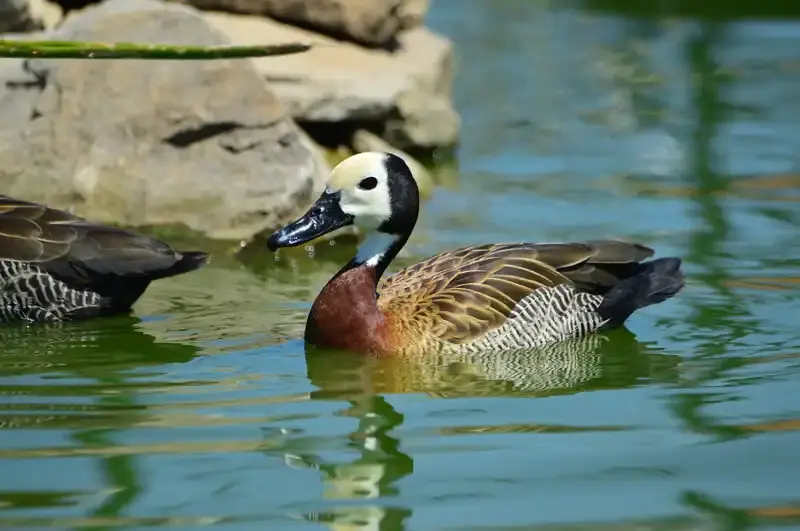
point(128, 50)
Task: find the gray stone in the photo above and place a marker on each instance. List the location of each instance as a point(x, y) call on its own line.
point(46, 14)
point(22, 20)
point(375, 23)
point(15, 15)
point(200, 143)
point(412, 13)
point(408, 90)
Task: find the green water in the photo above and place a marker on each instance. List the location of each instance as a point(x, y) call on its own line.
point(684, 134)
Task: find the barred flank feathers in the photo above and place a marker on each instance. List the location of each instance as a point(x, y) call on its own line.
point(56, 266)
point(547, 315)
point(29, 294)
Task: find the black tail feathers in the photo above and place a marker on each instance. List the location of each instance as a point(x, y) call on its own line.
point(121, 292)
point(190, 260)
point(655, 282)
point(187, 261)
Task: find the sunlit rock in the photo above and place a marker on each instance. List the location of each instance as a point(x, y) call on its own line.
point(205, 144)
point(363, 21)
point(338, 86)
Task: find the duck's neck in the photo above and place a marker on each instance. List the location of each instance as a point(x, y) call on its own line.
point(377, 251)
point(345, 314)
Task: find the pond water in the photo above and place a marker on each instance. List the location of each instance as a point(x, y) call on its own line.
point(681, 133)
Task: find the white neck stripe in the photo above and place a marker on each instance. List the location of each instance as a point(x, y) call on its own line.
point(374, 247)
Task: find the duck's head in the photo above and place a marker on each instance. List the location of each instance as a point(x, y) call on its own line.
point(373, 190)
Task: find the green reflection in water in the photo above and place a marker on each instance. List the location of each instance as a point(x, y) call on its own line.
point(78, 381)
point(118, 472)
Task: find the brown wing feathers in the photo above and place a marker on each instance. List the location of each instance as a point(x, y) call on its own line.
point(467, 292)
point(73, 248)
point(610, 262)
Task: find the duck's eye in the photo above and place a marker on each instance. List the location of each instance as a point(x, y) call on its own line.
point(368, 183)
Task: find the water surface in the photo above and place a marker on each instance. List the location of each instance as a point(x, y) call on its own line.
point(682, 133)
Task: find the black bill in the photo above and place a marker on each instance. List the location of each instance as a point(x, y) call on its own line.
point(325, 216)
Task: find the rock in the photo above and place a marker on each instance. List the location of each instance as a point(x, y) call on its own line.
point(15, 15)
point(406, 92)
point(35, 15)
point(412, 13)
point(368, 22)
point(366, 141)
point(47, 14)
point(419, 120)
point(200, 143)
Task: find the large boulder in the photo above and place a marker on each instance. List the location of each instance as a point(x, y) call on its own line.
point(369, 22)
point(15, 15)
point(46, 14)
point(27, 15)
point(205, 144)
point(405, 94)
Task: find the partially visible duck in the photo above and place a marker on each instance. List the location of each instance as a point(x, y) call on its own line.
point(55, 266)
point(493, 297)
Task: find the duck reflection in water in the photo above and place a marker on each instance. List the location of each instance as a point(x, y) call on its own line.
point(595, 362)
point(614, 360)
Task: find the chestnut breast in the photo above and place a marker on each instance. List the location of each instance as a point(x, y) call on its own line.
point(346, 316)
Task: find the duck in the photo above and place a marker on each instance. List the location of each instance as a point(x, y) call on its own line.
point(56, 266)
point(481, 298)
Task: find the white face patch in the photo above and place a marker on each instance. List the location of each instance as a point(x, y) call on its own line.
point(374, 247)
point(369, 207)
point(362, 182)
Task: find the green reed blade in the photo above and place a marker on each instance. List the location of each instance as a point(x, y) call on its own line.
point(129, 50)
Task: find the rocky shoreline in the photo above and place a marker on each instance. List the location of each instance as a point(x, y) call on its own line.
point(229, 149)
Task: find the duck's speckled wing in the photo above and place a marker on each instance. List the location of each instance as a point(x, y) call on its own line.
point(73, 248)
point(462, 294)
